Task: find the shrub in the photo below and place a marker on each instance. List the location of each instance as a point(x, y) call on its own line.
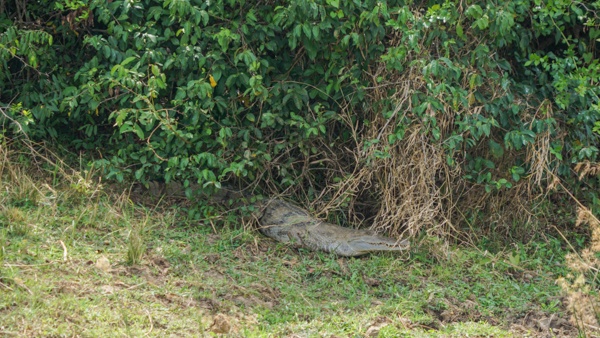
point(424, 103)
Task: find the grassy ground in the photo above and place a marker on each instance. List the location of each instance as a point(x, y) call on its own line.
point(78, 261)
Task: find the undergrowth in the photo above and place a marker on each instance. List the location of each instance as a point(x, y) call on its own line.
point(79, 259)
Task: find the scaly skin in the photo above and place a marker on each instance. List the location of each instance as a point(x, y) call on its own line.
point(288, 223)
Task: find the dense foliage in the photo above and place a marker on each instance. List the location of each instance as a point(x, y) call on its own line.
point(199, 91)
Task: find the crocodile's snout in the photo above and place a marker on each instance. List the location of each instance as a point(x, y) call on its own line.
point(365, 244)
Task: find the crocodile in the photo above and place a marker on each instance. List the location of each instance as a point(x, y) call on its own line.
point(287, 223)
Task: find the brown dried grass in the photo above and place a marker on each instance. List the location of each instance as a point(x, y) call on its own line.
point(583, 304)
point(407, 187)
point(39, 176)
point(398, 189)
point(580, 298)
point(23, 187)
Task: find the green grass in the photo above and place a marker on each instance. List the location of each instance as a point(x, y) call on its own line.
point(167, 275)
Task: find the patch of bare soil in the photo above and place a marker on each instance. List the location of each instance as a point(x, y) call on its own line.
point(254, 295)
point(67, 287)
point(376, 326)
point(543, 325)
point(230, 324)
point(534, 324)
point(169, 298)
point(154, 270)
point(155, 195)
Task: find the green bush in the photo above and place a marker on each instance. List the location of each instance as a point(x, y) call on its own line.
point(200, 91)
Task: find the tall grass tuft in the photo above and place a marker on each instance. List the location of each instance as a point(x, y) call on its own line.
point(136, 242)
point(136, 246)
point(578, 286)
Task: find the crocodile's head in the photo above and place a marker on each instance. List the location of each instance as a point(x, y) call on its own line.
point(362, 245)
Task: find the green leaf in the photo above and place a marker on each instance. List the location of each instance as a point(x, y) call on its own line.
point(459, 31)
point(297, 101)
point(482, 23)
point(115, 69)
point(127, 60)
point(315, 32)
point(155, 70)
point(138, 131)
point(204, 15)
point(307, 30)
point(139, 173)
point(496, 149)
point(106, 51)
point(297, 30)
